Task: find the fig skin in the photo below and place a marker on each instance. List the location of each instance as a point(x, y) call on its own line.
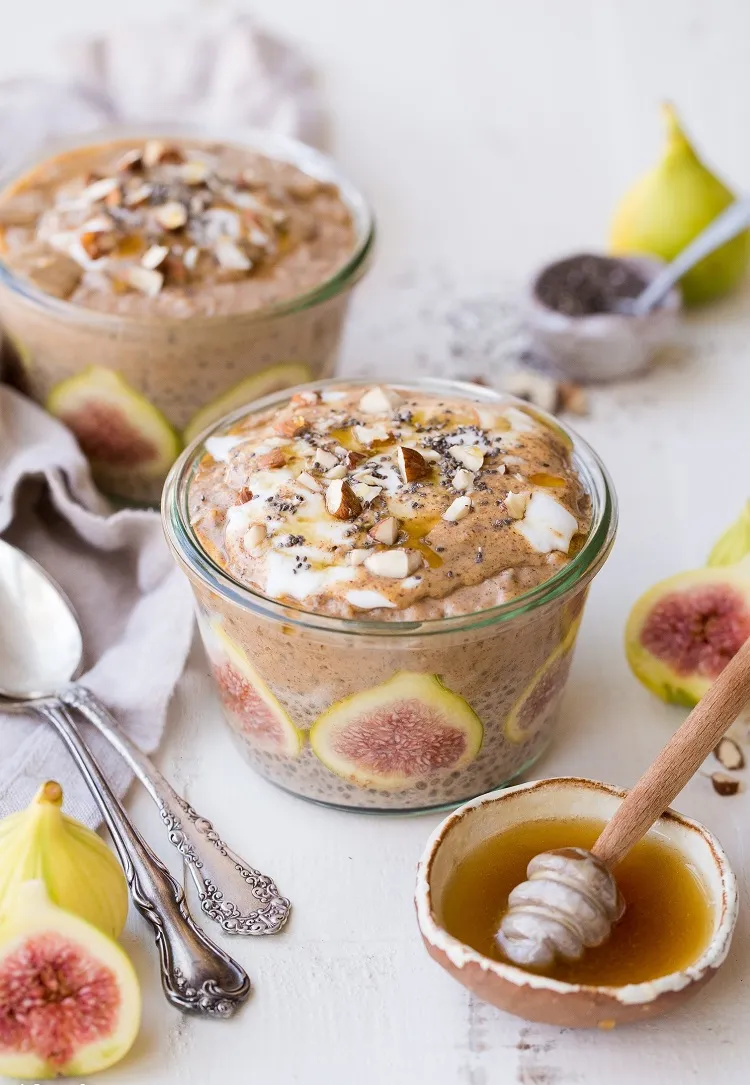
point(722, 634)
point(234, 672)
point(273, 379)
point(119, 430)
point(79, 871)
point(45, 950)
point(454, 715)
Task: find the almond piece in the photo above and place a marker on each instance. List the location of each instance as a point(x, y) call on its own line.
point(368, 435)
point(171, 215)
point(245, 495)
point(325, 460)
point(725, 785)
point(352, 459)
point(98, 243)
point(154, 256)
point(98, 190)
point(131, 160)
point(309, 482)
point(430, 455)
point(339, 471)
point(269, 460)
point(379, 400)
point(291, 427)
point(463, 479)
point(158, 153)
point(357, 557)
point(573, 398)
point(145, 280)
point(341, 501)
point(457, 510)
point(541, 391)
point(516, 504)
point(729, 754)
point(393, 564)
point(134, 197)
point(365, 493)
point(304, 399)
point(411, 464)
point(195, 172)
point(231, 256)
point(469, 456)
point(254, 536)
point(385, 531)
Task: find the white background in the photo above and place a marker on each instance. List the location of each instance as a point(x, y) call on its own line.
point(490, 135)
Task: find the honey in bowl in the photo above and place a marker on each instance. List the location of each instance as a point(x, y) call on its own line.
point(668, 919)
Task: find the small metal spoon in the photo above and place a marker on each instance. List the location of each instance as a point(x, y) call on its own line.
point(723, 228)
point(41, 650)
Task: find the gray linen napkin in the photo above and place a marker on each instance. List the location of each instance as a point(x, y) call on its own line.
point(134, 604)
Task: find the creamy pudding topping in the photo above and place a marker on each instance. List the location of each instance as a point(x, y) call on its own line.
point(388, 503)
point(160, 221)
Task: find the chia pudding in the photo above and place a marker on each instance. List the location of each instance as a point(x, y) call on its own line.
point(389, 582)
point(150, 285)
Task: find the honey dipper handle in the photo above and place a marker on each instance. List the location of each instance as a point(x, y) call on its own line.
point(678, 761)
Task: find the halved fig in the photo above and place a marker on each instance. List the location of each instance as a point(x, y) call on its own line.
point(259, 715)
point(531, 711)
point(683, 632)
point(397, 733)
point(273, 379)
point(70, 1004)
point(118, 429)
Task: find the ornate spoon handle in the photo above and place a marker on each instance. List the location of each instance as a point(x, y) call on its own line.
point(197, 976)
point(233, 894)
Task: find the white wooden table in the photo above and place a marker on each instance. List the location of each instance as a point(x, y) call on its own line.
point(489, 137)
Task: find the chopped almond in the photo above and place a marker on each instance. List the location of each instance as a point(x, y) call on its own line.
point(341, 501)
point(411, 464)
point(269, 460)
point(385, 531)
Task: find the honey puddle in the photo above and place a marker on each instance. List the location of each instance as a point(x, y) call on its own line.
point(667, 924)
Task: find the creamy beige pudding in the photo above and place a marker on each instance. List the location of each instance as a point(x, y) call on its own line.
point(147, 286)
point(409, 543)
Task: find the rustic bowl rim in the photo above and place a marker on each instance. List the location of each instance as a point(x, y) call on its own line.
point(460, 954)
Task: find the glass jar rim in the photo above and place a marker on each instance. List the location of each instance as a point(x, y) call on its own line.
point(273, 144)
point(586, 563)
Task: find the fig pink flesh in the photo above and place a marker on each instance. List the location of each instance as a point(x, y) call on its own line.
point(697, 631)
point(404, 737)
point(55, 999)
point(244, 701)
point(105, 435)
point(549, 685)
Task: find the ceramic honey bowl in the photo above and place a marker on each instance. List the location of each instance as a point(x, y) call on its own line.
point(482, 848)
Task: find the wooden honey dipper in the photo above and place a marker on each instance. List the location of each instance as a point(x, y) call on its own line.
point(571, 900)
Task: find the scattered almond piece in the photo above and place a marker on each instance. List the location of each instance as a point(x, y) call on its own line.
point(729, 754)
point(385, 531)
point(368, 435)
point(231, 256)
point(573, 399)
point(462, 479)
point(195, 172)
point(516, 504)
point(254, 536)
point(341, 501)
point(535, 388)
point(411, 464)
point(366, 493)
point(155, 256)
point(171, 215)
point(98, 243)
point(145, 280)
point(325, 460)
point(245, 495)
point(339, 471)
point(304, 399)
point(357, 557)
point(468, 455)
point(98, 190)
point(291, 427)
point(393, 564)
point(270, 460)
point(457, 510)
point(725, 785)
point(309, 482)
point(379, 400)
point(430, 455)
point(352, 459)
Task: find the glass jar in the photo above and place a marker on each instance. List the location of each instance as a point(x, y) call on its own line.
point(471, 701)
point(173, 373)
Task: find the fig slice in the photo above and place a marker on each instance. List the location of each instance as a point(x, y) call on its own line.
point(70, 1004)
point(532, 709)
point(118, 429)
point(273, 379)
point(395, 734)
point(258, 714)
point(681, 633)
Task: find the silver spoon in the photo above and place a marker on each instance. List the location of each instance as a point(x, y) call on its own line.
point(41, 650)
point(723, 228)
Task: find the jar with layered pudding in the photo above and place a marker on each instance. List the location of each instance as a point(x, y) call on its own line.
point(149, 284)
point(389, 582)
